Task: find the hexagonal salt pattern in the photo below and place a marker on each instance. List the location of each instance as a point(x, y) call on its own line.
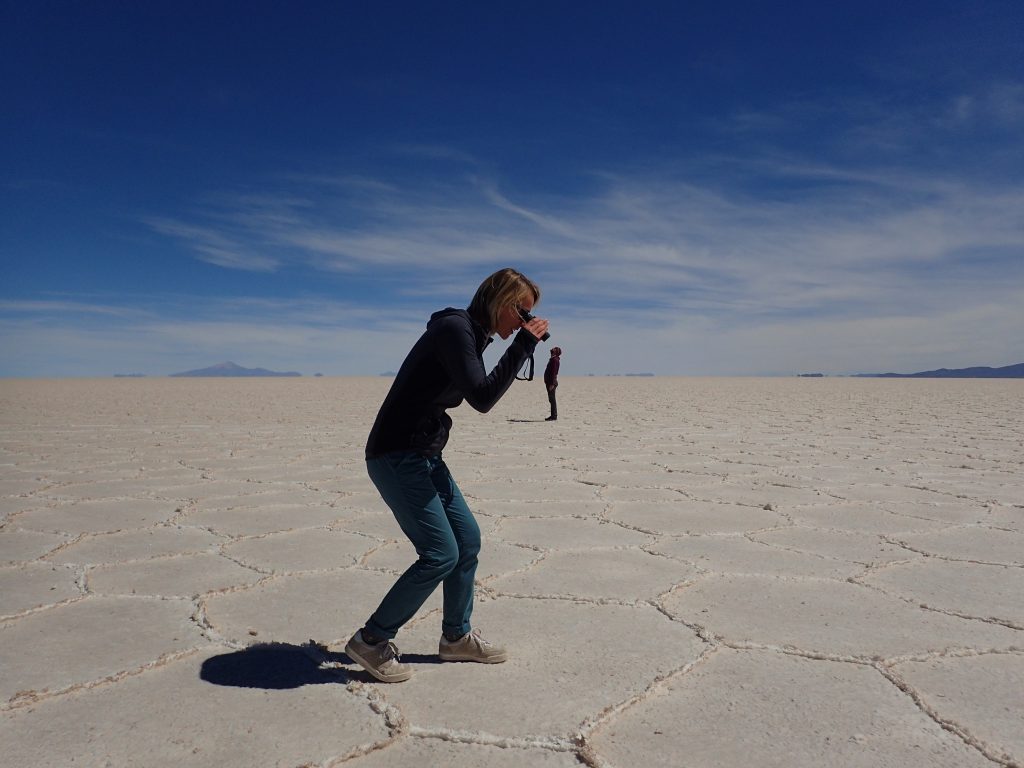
point(310, 549)
point(35, 585)
point(327, 607)
point(744, 708)
point(978, 695)
point(866, 549)
point(624, 575)
point(685, 572)
point(823, 616)
point(426, 748)
point(135, 545)
point(736, 554)
point(91, 640)
point(181, 576)
point(692, 517)
point(18, 546)
point(569, 662)
point(978, 544)
point(98, 516)
point(214, 710)
point(987, 592)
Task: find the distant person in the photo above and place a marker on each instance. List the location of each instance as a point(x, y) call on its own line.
point(551, 381)
point(403, 458)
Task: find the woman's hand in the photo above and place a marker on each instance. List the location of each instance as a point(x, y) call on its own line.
point(538, 327)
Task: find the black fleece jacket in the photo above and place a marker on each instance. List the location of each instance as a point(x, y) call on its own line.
point(444, 367)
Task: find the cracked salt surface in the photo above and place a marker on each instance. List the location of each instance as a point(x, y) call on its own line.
point(708, 572)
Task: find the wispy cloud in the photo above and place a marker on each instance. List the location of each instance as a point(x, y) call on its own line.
point(173, 334)
point(999, 105)
point(64, 307)
point(790, 244)
point(772, 260)
point(544, 222)
point(213, 246)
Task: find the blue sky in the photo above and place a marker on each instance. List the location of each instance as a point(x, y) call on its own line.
point(705, 188)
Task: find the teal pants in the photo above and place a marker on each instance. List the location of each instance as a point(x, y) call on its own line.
point(433, 514)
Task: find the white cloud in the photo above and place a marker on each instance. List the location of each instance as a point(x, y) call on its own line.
point(999, 105)
point(779, 265)
point(214, 246)
point(62, 307)
point(308, 337)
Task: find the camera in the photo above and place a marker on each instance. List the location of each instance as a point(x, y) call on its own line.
point(527, 317)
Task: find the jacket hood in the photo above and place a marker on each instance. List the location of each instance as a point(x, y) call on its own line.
point(482, 337)
point(447, 312)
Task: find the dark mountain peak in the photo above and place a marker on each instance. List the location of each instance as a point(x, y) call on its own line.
point(230, 369)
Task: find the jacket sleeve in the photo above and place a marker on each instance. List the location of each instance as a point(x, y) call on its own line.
point(456, 349)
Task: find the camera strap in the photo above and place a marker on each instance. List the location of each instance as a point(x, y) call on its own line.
point(527, 365)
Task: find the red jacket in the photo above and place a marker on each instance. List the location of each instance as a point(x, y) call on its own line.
point(551, 372)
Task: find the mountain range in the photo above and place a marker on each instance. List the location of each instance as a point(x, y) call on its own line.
point(978, 372)
point(233, 369)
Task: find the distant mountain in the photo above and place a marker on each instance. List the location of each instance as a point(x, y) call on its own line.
point(979, 372)
point(232, 369)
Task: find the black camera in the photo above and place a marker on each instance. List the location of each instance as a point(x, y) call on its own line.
point(527, 317)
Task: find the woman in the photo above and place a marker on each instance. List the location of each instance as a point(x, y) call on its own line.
point(403, 458)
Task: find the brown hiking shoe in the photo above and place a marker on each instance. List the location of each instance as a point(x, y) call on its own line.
point(381, 660)
point(471, 647)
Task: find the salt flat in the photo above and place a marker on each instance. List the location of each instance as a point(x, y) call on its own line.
point(687, 572)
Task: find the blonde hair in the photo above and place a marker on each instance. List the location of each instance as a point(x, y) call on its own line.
point(505, 288)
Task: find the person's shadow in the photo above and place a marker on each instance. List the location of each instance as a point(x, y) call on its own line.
point(281, 666)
